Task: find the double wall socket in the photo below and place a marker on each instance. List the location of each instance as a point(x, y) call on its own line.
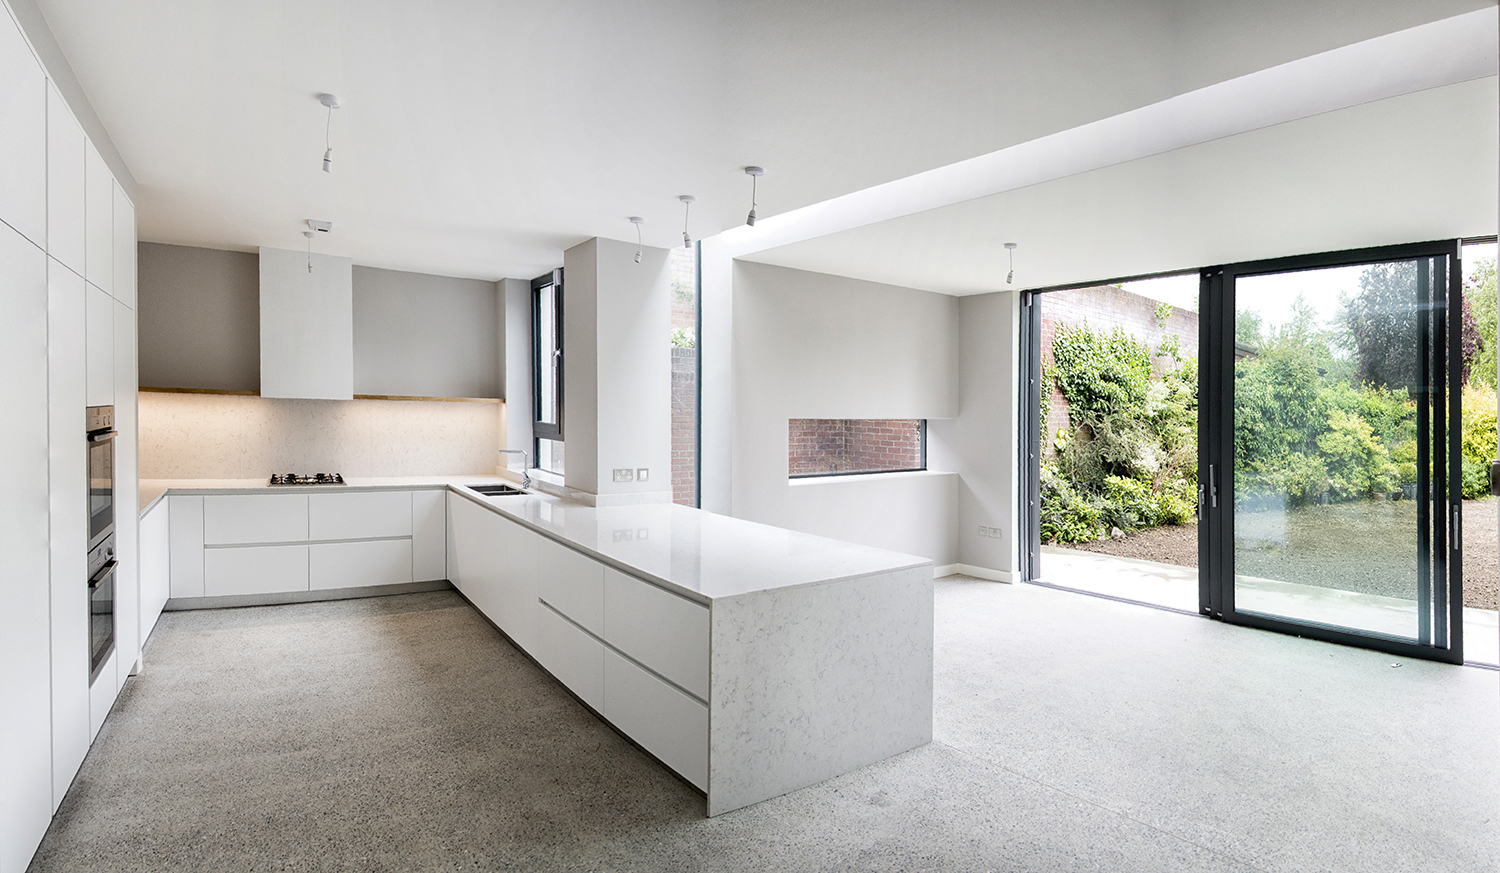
point(991, 532)
point(626, 474)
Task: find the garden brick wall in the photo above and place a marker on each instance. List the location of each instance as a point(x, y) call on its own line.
point(1103, 308)
point(840, 445)
point(684, 381)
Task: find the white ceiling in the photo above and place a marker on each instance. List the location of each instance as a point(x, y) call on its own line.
point(481, 138)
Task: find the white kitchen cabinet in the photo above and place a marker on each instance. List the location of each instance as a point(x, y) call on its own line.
point(232, 519)
point(358, 564)
point(571, 583)
point(102, 693)
point(662, 631)
point(25, 640)
point(429, 533)
point(99, 221)
point(127, 496)
point(68, 475)
point(358, 515)
point(66, 155)
point(574, 657)
point(123, 250)
point(156, 573)
point(185, 545)
point(667, 723)
point(306, 325)
point(99, 356)
point(23, 136)
point(254, 570)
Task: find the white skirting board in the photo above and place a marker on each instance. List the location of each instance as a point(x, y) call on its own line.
point(1006, 576)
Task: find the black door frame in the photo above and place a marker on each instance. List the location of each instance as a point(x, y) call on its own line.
point(1440, 555)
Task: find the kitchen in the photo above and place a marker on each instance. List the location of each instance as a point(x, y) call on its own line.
point(279, 320)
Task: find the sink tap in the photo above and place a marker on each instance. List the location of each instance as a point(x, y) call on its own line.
point(525, 465)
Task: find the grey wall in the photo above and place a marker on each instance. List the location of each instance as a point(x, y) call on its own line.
point(427, 336)
point(199, 318)
point(517, 373)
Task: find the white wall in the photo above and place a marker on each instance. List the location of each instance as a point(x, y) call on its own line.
point(516, 296)
point(980, 444)
point(296, 359)
point(808, 345)
point(617, 370)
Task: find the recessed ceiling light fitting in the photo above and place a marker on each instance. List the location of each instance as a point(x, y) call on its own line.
point(320, 226)
point(1010, 277)
point(754, 173)
point(637, 221)
point(687, 205)
point(332, 102)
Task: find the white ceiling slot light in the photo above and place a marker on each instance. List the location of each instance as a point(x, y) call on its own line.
point(332, 102)
point(687, 205)
point(754, 173)
point(1010, 277)
point(637, 221)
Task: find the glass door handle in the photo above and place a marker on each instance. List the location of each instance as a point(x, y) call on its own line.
point(1213, 489)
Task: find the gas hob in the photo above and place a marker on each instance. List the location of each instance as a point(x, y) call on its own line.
point(308, 479)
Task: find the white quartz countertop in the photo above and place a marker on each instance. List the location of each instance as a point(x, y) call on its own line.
point(700, 554)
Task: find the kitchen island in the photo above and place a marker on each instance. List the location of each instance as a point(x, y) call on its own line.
point(750, 660)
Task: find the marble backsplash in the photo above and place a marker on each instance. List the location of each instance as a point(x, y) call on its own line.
point(205, 436)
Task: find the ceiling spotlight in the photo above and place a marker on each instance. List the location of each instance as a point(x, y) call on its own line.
point(754, 173)
point(637, 221)
point(1010, 277)
point(320, 226)
point(687, 204)
point(332, 102)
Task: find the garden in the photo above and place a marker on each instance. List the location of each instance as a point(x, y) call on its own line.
point(1325, 431)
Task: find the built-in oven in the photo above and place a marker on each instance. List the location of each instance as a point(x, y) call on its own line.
point(101, 555)
point(102, 566)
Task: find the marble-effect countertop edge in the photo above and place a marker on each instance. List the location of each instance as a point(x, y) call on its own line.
point(731, 561)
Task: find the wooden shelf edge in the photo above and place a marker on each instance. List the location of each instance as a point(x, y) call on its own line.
point(154, 390)
point(430, 399)
point(151, 389)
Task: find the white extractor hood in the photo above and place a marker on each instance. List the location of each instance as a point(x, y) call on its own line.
point(306, 325)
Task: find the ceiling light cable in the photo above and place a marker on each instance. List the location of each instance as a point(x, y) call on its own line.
point(332, 102)
point(754, 173)
point(1010, 277)
point(637, 221)
point(687, 205)
point(309, 235)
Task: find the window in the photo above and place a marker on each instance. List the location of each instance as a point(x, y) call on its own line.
point(547, 371)
point(841, 446)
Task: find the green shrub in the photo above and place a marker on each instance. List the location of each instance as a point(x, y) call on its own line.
point(1100, 373)
point(1358, 465)
point(1478, 439)
point(1066, 515)
point(1131, 503)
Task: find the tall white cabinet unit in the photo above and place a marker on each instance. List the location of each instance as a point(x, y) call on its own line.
point(67, 340)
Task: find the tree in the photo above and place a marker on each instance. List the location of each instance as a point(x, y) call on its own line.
point(1479, 299)
point(1383, 322)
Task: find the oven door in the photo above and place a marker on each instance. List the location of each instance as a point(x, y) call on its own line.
point(101, 616)
point(101, 486)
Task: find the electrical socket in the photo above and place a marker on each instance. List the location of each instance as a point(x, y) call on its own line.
point(996, 533)
point(642, 474)
point(624, 474)
point(984, 531)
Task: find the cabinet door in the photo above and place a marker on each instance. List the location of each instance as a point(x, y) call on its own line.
point(429, 527)
point(254, 570)
point(519, 551)
point(23, 136)
point(359, 515)
point(66, 147)
point(254, 518)
point(185, 522)
point(667, 633)
point(99, 221)
point(25, 643)
point(574, 657)
point(124, 247)
point(667, 723)
point(68, 463)
point(572, 583)
point(100, 353)
point(156, 579)
point(358, 565)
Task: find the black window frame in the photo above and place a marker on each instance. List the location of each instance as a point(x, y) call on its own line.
point(546, 430)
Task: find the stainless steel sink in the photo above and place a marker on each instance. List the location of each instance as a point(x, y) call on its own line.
point(496, 490)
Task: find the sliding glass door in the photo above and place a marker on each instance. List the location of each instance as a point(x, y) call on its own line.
point(1330, 466)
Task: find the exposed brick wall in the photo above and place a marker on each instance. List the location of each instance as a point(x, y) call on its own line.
point(684, 380)
point(1102, 309)
point(842, 445)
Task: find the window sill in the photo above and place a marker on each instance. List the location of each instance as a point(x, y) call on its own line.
point(867, 477)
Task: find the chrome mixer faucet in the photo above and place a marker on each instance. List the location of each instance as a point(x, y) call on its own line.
point(525, 465)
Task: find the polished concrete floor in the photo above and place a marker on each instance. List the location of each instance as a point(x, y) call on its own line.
point(1072, 733)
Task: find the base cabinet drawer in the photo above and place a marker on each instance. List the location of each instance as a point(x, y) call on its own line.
point(574, 657)
point(356, 565)
point(573, 583)
point(254, 518)
point(667, 633)
point(254, 570)
point(667, 723)
point(359, 515)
